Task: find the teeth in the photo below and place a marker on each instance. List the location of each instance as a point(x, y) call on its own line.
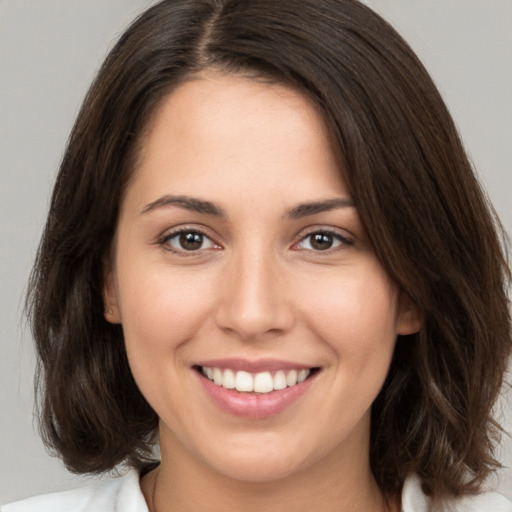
point(243, 381)
point(217, 377)
point(279, 380)
point(229, 379)
point(291, 378)
point(302, 375)
point(262, 382)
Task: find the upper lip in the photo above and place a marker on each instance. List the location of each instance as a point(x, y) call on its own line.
point(253, 366)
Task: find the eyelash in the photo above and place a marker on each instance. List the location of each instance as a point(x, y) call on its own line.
point(164, 241)
point(334, 235)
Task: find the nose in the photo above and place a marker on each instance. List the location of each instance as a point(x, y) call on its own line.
point(255, 300)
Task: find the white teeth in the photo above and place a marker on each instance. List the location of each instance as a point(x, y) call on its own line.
point(302, 375)
point(244, 381)
point(262, 382)
point(229, 379)
point(279, 380)
point(217, 376)
point(291, 378)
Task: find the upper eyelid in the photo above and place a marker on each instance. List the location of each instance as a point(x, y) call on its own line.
point(170, 232)
point(310, 230)
point(176, 231)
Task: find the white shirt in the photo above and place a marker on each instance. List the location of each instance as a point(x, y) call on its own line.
point(124, 495)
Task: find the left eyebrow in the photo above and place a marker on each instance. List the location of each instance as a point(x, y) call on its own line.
point(306, 209)
point(188, 203)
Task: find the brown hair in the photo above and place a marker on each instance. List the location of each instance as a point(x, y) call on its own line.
point(412, 183)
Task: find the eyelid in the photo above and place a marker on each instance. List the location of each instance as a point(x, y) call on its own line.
point(173, 232)
point(335, 232)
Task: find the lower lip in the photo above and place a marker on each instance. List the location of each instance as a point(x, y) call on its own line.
point(255, 405)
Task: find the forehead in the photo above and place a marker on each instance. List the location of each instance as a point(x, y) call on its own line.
point(221, 103)
point(239, 134)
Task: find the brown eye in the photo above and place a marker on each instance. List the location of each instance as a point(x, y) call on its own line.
point(323, 241)
point(191, 241)
point(187, 241)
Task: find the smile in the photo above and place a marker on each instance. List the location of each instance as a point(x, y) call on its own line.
point(255, 389)
point(262, 382)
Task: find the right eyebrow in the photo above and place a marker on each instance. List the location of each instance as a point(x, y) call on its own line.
point(189, 203)
point(306, 209)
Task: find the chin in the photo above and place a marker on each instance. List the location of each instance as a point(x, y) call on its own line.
point(258, 469)
point(259, 462)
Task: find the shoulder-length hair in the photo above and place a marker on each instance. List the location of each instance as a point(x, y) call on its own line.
point(425, 213)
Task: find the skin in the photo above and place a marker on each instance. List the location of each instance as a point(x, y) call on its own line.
point(255, 288)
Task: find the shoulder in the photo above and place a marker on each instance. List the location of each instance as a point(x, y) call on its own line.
point(413, 500)
point(112, 495)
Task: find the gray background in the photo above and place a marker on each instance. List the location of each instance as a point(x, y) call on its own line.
point(49, 52)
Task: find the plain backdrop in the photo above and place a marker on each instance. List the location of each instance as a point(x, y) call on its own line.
point(49, 52)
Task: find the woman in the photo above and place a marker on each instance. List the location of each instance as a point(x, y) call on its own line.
point(266, 249)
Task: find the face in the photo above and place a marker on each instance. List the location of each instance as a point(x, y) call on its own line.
point(258, 322)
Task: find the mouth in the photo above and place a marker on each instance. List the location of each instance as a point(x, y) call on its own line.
point(255, 389)
point(259, 383)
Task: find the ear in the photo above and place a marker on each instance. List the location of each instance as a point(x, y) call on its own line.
point(409, 318)
point(112, 313)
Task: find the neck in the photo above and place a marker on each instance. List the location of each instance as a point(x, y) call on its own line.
point(189, 485)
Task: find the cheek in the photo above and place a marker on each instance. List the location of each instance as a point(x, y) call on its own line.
point(353, 316)
point(161, 308)
point(161, 311)
point(354, 312)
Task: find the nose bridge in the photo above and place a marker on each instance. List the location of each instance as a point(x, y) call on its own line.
point(254, 298)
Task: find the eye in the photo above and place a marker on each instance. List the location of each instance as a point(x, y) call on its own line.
point(188, 241)
point(322, 241)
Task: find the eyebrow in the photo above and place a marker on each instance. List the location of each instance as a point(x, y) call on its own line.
point(208, 208)
point(189, 203)
point(313, 208)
